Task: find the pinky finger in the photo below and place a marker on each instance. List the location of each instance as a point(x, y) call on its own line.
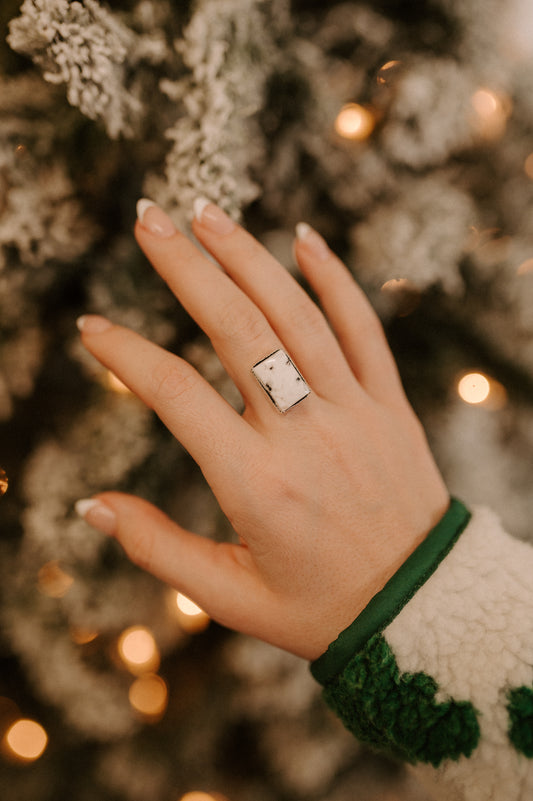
point(219, 577)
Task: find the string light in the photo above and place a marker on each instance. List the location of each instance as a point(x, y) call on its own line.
point(355, 122)
point(138, 650)
point(492, 110)
point(25, 740)
point(53, 581)
point(478, 389)
point(148, 695)
point(191, 617)
point(4, 482)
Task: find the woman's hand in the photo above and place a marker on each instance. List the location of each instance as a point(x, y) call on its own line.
point(328, 499)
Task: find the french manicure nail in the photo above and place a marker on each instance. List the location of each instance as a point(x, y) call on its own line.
point(93, 324)
point(154, 219)
point(312, 240)
point(97, 515)
point(212, 217)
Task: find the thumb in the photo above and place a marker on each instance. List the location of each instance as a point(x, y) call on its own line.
point(220, 577)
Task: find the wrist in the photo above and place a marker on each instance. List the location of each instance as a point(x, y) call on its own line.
point(385, 605)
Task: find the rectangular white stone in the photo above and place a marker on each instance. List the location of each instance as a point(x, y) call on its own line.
point(280, 379)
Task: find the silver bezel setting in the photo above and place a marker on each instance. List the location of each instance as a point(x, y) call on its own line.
point(281, 380)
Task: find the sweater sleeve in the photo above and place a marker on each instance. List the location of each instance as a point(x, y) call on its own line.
point(438, 669)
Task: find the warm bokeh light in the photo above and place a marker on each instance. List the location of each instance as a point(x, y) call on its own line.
point(191, 617)
point(53, 581)
point(4, 482)
point(528, 166)
point(116, 385)
point(148, 695)
point(187, 606)
point(492, 110)
point(479, 389)
point(198, 795)
point(387, 70)
point(396, 284)
point(25, 740)
point(474, 388)
point(354, 122)
point(403, 294)
point(82, 636)
point(525, 268)
point(138, 650)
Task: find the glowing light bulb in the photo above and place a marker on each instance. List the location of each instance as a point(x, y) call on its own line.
point(4, 482)
point(355, 122)
point(191, 617)
point(148, 695)
point(53, 581)
point(25, 740)
point(138, 650)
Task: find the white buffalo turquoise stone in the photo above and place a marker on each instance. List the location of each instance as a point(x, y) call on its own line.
point(281, 380)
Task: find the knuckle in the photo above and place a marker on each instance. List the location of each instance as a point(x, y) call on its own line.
point(306, 316)
point(171, 380)
point(240, 321)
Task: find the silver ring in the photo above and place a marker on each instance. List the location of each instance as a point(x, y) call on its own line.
point(281, 380)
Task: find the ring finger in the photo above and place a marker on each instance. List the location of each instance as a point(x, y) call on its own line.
point(238, 329)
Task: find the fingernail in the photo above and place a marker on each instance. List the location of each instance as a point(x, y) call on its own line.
point(312, 241)
point(93, 324)
point(154, 219)
point(212, 217)
point(97, 515)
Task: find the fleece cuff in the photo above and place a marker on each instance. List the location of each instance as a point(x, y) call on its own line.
point(398, 591)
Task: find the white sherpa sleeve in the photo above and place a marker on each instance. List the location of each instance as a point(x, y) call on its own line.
point(438, 669)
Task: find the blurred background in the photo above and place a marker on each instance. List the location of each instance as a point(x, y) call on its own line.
point(404, 133)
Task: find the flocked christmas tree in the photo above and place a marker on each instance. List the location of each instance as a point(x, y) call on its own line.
point(402, 132)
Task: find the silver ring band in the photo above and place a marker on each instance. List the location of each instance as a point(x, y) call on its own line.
point(281, 380)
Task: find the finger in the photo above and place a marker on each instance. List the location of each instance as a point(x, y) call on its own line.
point(239, 331)
point(354, 321)
point(219, 577)
point(298, 321)
point(215, 435)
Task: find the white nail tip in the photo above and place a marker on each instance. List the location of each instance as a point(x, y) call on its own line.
point(142, 207)
point(84, 506)
point(199, 205)
point(302, 230)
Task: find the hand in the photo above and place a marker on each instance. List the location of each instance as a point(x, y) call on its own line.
point(327, 500)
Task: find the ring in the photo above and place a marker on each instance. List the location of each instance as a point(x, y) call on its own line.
point(281, 380)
